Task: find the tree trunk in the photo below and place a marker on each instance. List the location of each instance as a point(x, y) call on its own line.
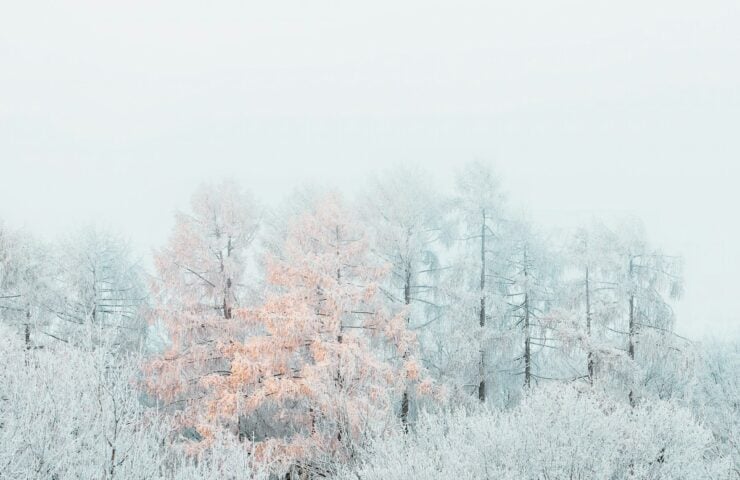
point(227, 288)
point(241, 427)
point(405, 411)
point(405, 397)
point(527, 336)
point(631, 341)
point(227, 293)
point(482, 312)
point(590, 361)
point(27, 335)
point(339, 380)
point(27, 329)
point(527, 345)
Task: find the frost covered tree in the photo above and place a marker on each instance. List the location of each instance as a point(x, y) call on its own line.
point(198, 284)
point(409, 232)
point(592, 276)
point(325, 355)
point(73, 292)
point(650, 279)
point(25, 285)
point(99, 291)
point(530, 280)
point(479, 205)
point(619, 294)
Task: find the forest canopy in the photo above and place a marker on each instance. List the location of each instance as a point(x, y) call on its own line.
point(401, 332)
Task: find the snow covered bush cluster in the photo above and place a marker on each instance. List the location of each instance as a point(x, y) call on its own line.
point(67, 412)
point(407, 332)
point(558, 431)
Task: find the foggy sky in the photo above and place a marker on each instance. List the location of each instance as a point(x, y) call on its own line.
point(113, 112)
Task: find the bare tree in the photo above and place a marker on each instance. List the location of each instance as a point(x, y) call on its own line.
point(479, 208)
point(405, 213)
point(99, 291)
point(24, 284)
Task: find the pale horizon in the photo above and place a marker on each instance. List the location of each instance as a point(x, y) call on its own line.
point(583, 108)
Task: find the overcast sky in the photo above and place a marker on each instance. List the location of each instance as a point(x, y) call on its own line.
point(115, 111)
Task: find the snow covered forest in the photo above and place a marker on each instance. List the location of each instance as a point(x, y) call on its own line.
point(404, 331)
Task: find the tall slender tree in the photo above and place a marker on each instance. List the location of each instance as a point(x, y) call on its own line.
point(198, 285)
point(479, 206)
point(409, 231)
point(651, 279)
point(593, 267)
point(531, 281)
point(25, 281)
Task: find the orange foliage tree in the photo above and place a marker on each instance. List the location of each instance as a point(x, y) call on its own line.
point(197, 287)
point(324, 362)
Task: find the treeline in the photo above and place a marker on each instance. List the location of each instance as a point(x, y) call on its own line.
point(404, 331)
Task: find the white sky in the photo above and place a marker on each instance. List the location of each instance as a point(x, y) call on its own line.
point(114, 111)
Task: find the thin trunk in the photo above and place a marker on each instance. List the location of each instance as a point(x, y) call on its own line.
point(339, 379)
point(317, 311)
point(112, 462)
point(227, 289)
point(527, 336)
point(527, 345)
point(227, 307)
point(94, 312)
point(27, 335)
point(482, 319)
point(241, 430)
point(407, 302)
point(312, 414)
point(241, 433)
point(631, 346)
point(405, 411)
point(590, 364)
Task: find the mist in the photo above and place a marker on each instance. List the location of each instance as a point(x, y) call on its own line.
point(114, 115)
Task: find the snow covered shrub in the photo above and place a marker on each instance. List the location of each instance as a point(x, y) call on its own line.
point(64, 413)
point(715, 396)
point(556, 432)
point(68, 413)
